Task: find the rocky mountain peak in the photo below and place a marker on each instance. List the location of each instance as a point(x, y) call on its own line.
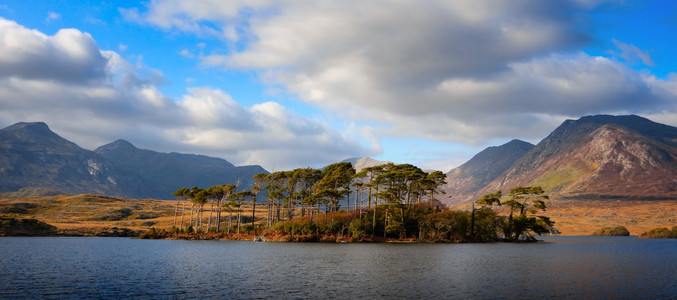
point(360, 163)
point(117, 146)
point(34, 130)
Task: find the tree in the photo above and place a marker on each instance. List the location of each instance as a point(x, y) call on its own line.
point(368, 175)
point(259, 182)
point(432, 183)
point(190, 195)
point(335, 181)
point(199, 201)
point(180, 195)
point(230, 206)
point(524, 203)
point(221, 193)
point(276, 194)
point(212, 195)
point(241, 197)
point(490, 199)
point(307, 178)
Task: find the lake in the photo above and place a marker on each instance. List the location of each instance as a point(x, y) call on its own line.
point(559, 267)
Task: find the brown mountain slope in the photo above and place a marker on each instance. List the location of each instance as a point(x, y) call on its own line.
point(482, 169)
point(612, 163)
point(598, 157)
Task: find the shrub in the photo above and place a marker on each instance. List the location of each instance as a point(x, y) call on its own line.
point(146, 215)
point(357, 228)
point(115, 214)
point(17, 208)
point(612, 231)
point(660, 233)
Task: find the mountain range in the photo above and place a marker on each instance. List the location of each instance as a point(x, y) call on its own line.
point(594, 157)
point(33, 156)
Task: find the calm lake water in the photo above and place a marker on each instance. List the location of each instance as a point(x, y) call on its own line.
point(560, 267)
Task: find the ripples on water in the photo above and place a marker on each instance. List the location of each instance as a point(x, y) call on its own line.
point(562, 267)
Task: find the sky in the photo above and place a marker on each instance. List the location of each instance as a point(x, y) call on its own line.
point(290, 84)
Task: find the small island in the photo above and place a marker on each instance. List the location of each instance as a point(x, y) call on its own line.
point(661, 233)
point(612, 231)
point(386, 203)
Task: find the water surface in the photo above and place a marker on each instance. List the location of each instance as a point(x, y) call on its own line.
point(560, 267)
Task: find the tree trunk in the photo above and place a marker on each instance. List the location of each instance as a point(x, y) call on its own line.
point(211, 211)
point(183, 207)
point(253, 211)
point(385, 224)
point(192, 207)
point(373, 223)
point(277, 211)
point(239, 219)
point(230, 221)
point(176, 211)
point(218, 216)
point(348, 200)
point(472, 223)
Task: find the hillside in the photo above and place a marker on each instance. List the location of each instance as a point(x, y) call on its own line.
point(34, 158)
point(483, 168)
point(598, 157)
point(168, 172)
point(31, 155)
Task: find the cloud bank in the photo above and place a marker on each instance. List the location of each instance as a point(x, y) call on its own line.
point(454, 71)
point(94, 96)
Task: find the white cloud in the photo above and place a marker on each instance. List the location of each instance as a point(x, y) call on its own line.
point(51, 16)
point(462, 71)
point(630, 53)
point(94, 96)
point(69, 55)
point(186, 53)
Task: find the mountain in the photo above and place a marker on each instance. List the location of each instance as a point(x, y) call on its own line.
point(360, 163)
point(32, 156)
point(483, 168)
point(170, 171)
point(617, 157)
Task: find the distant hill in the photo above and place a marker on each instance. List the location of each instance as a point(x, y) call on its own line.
point(483, 168)
point(170, 171)
point(32, 156)
point(595, 157)
point(360, 163)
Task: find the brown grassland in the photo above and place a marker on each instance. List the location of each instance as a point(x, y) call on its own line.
point(94, 215)
point(583, 217)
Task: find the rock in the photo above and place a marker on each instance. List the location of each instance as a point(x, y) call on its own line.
point(25, 227)
point(612, 231)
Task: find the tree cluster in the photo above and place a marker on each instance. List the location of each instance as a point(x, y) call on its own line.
point(306, 192)
point(387, 201)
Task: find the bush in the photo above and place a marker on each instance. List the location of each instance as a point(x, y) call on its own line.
point(115, 214)
point(661, 233)
point(612, 231)
point(146, 215)
point(17, 208)
point(357, 228)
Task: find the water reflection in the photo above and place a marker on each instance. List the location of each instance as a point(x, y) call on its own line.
point(119, 268)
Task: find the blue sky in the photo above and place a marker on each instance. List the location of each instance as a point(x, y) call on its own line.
point(288, 84)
